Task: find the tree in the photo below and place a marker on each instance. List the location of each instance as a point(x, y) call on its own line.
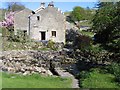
point(77, 14)
point(13, 6)
point(88, 14)
point(106, 24)
point(8, 22)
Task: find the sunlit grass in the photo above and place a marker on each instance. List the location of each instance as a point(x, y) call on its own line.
point(34, 81)
point(99, 80)
point(87, 33)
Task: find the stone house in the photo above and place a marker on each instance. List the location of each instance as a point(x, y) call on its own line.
point(21, 20)
point(43, 24)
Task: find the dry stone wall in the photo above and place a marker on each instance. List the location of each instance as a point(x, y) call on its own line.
point(29, 62)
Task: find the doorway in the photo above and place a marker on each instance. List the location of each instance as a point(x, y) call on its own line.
point(43, 35)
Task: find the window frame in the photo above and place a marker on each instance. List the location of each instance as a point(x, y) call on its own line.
point(53, 33)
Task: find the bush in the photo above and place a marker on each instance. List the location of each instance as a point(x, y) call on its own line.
point(83, 75)
point(114, 68)
point(51, 45)
point(96, 79)
point(82, 42)
point(20, 37)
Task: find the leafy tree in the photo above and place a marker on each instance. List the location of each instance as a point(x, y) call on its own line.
point(106, 24)
point(89, 13)
point(77, 14)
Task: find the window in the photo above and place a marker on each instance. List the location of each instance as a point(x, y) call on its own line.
point(25, 33)
point(54, 33)
point(38, 18)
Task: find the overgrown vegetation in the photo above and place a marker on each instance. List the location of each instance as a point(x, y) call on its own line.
point(96, 78)
point(106, 25)
point(80, 16)
point(51, 45)
point(34, 81)
point(114, 69)
point(21, 41)
point(0, 30)
point(100, 50)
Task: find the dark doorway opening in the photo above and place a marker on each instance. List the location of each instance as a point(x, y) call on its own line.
point(42, 35)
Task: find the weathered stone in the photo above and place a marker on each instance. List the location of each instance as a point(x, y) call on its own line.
point(26, 73)
point(49, 73)
point(32, 61)
point(11, 69)
point(43, 70)
point(38, 69)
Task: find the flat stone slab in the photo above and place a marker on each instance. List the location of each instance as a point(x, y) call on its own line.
point(65, 74)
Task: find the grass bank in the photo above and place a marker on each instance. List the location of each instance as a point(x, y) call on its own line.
point(97, 79)
point(34, 81)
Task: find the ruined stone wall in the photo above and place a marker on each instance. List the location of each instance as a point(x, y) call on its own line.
point(28, 62)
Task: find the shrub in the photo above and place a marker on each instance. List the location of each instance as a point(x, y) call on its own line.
point(96, 79)
point(82, 42)
point(83, 75)
point(20, 37)
point(114, 68)
point(51, 45)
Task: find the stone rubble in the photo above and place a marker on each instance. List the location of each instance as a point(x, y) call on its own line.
point(29, 62)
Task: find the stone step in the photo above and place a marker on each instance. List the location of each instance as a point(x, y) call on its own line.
point(65, 74)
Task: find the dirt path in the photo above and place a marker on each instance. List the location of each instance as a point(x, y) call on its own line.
point(64, 74)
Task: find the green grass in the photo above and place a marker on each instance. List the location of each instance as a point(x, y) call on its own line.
point(34, 81)
point(0, 81)
point(87, 23)
point(96, 79)
point(87, 33)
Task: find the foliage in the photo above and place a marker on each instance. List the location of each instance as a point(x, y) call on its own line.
point(86, 23)
point(77, 14)
point(96, 79)
point(0, 30)
point(20, 37)
point(34, 81)
point(82, 42)
point(15, 6)
point(5, 32)
point(80, 13)
point(106, 24)
point(8, 22)
point(2, 14)
point(87, 33)
point(85, 50)
point(28, 45)
point(114, 68)
point(51, 45)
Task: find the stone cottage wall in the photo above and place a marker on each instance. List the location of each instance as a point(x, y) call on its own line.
point(21, 21)
point(51, 19)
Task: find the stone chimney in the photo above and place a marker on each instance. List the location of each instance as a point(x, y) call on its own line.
point(51, 4)
point(42, 5)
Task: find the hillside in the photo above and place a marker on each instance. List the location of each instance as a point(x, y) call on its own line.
point(2, 13)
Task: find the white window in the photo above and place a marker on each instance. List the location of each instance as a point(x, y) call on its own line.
point(54, 33)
